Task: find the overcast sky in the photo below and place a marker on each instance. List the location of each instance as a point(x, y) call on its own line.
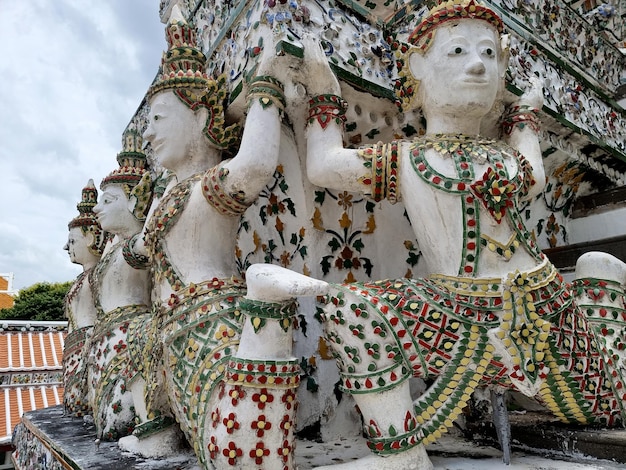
point(73, 72)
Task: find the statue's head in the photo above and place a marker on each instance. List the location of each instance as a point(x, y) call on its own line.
point(126, 190)
point(457, 56)
point(185, 104)
point(86, 239)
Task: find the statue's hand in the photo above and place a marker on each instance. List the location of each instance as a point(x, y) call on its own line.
point(533, 96)
point(276, 64)
point(315, 73)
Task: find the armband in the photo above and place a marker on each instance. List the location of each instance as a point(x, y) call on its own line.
point(227, 204)
point(133, 259)
point(269, 92)
point(259, 312)
point(383, 161)
point(520, 116)
point(327, 108)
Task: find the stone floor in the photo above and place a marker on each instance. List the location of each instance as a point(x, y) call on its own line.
point(75, 442)
point(452, 453)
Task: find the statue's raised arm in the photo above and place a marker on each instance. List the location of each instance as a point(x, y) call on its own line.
point(328, 163)
point(521, 130)
point(254, 164)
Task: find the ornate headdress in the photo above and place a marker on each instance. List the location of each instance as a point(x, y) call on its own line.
point(449, 11)
point(86, 218)
point(183, 72)
point(132, 174)
point(422, 37)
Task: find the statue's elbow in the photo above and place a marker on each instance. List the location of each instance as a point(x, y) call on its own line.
point(539, 177)
point(314, 173)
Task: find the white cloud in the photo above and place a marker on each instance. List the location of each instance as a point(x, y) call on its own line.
point(73, 73)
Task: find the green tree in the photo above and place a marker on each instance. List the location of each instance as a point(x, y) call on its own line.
point(42, 301)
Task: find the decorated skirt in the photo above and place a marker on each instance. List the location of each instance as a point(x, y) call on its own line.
point(523, 332)
point(112, 369)
point(75, 395)
point(201, 329)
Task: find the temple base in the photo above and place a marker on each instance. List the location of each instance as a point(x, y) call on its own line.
point(47, 440)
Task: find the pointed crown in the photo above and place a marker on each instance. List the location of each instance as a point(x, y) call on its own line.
point(183, 72)
point(86, 215)
point(86, 218)
point(448, 11)
point(183, 64)
point(132, 163)
point(133, 174)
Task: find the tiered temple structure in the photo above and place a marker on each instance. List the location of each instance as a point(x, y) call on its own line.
point(244, 100)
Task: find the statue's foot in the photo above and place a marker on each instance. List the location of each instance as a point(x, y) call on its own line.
point(412, 459)
point(160, 444)
point(271, 283)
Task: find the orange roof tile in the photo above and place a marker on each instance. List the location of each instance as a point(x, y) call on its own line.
point(15, 401)
point(28, 402)
point(37, 350)
point(31, 369)
point(31, 350)
point(26, 349)
point(4, 352)
point(14, 351)
point(6, 300)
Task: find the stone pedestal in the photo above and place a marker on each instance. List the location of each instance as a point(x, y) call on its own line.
point(48, 440)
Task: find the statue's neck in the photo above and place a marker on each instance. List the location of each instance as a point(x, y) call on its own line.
point(200, 160)
point(90, 264)
point(452, 124)
point(133, 228)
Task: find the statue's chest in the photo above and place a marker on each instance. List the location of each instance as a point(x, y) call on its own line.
point(444, 172)
point(489, 175)
point(169, 212)
point(477, 184)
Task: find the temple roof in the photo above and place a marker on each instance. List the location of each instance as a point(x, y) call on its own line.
point(7, 293)
point(31, 369)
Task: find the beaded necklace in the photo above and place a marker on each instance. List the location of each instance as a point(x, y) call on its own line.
point(164, 218)
point(496, 190)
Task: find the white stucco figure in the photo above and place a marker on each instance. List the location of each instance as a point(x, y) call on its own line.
point(229, 374)
point(493, 311)
point(121, 291)
point(85, 243)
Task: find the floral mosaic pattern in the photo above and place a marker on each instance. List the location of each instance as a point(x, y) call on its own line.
point(249, 401)
point(270, 232)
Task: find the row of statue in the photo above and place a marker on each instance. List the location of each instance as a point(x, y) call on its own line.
point(167, 336)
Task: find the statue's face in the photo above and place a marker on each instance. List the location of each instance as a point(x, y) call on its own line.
point(460, 71)
point(77, 246)
point(113, 210)
point(173, 129)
